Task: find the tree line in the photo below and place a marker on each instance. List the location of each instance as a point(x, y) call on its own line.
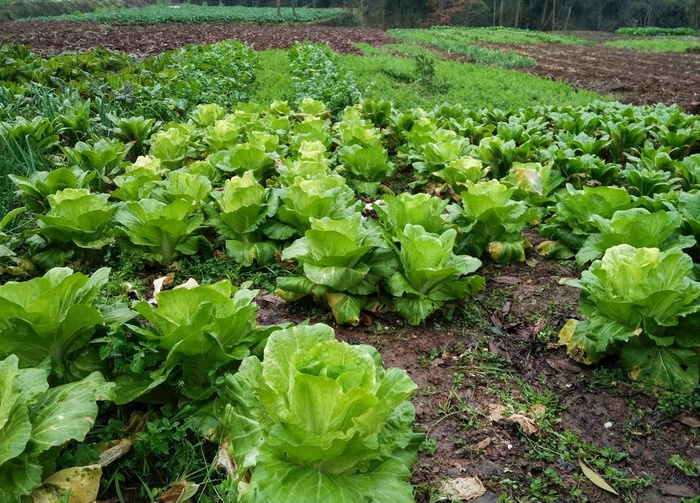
point(547, 15)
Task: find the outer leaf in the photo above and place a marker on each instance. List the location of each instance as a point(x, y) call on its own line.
point(18, 477)
point(673, 368)
point(65, 413)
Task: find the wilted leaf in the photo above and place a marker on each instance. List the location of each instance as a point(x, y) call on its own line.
point(574, 351)
point(462, 489)
point(596, 479)
point(189, 284)
point(527, 425)
point(689, 421)
point(83, 482)
point(117, 451)
point(224, 461)
point(178, 492)
point(160, 283)
point(563, 365)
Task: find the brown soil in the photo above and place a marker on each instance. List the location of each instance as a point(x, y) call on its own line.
point(56, 37)
point(493, 346)
point(641, 78)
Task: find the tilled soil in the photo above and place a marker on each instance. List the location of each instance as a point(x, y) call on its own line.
point(55, 37)
point(641, 78)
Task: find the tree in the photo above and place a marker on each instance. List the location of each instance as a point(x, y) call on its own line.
point(443, 12)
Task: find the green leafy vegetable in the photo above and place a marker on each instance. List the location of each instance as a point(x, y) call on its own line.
point(641, 303)
point(636, 227)
point(342, 263)
point(491, 221)
point(200, 333)
point(79, 217)
point(36, 419)
point(159, 232)
point(430, 273)
point(51, 318)
point(320, 420)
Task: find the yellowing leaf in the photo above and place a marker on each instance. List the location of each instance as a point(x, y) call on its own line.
point(83, 483)
point(574, 351)
point(178, 492)
point(596, 479)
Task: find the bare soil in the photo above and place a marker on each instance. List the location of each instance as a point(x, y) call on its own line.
point(56, 37)
point(477, 352)
point(632, 76)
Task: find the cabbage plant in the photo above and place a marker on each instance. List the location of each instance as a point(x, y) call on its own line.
point(319, 420)
point(160, 233)
point(365, 167)
point(395, 212)
point(199, 334)
point(51, 319)
point(78, 217)
point(341, 262)
point(429, 273)
point(642, 304)
point(237, 213)
point(636, 227)
point(36, 421)
point(490, 220)
point(35, 189)
point(572, 222)
point(326, 196)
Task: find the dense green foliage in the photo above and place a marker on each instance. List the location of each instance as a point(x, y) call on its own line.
point(319, 420)
point(654, 31)
point(189, 13)
point(316, 74)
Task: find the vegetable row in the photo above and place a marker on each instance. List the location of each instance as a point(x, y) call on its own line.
point(387, 209)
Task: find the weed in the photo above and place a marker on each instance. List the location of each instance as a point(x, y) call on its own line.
point(688, 468)
point(429, 446)
point(672, 403)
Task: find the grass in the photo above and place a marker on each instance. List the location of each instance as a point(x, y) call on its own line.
point(657, 44)
point(472, 85)
point(501, 35)
point(654, 31)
